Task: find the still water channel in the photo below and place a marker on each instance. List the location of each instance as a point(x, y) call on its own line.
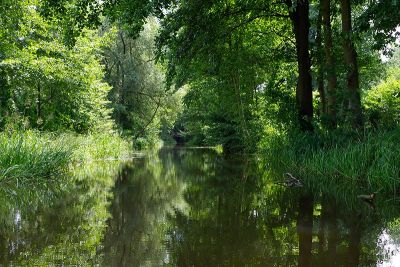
point(191, 207)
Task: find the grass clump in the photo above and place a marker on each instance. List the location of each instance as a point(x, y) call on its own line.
point(30, 155)
point(350, 162)
point(99, 147)
point(36, 157)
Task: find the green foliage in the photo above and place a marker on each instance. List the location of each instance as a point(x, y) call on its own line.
point(52, 86)
point(78, 14)
point(341, 162)
point(29, 157)
point(380, 19)
point(220, 55)
point(382, 104)
point(141, 105)
point(236, 59)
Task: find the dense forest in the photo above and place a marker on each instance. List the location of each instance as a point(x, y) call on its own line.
point(245, 75)
point(101, 80)
point(199, 132)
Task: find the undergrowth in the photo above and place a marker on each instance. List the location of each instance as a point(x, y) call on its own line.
point(33, 157)
point(26, 156)
point(345, 162)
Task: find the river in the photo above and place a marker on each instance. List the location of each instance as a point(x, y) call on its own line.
point(191, 207)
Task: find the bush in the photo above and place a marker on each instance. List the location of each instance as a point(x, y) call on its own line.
point(382, 104)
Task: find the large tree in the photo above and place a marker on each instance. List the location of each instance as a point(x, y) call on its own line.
point(44, 83)
point(299, 15)
point(180, 35)
point(330, 63)
point(350, 57)
point(138, 97)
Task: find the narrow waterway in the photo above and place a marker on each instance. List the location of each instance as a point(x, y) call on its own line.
point(191, 207)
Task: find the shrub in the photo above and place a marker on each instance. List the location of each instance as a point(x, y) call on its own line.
point(382, 104)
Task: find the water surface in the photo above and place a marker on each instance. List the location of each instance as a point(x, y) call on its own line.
point(192, 207)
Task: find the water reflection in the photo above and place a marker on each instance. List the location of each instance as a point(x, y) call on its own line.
point(145, 193)
point(58, 226)
point(196, 208)
point(188, 207)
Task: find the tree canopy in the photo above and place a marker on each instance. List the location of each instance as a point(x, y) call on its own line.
point(245, 66)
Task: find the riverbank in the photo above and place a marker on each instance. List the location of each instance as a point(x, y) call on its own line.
point(345, 163)
point(36, 157)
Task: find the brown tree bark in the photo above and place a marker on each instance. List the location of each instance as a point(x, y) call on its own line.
point(350, 58)
point(320, 60)
point(330, 62)
point(301, 27)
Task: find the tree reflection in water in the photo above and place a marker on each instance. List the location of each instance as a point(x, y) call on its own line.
point(193, 207)
point(197, 208)
point(60, 226)
point(145, 193)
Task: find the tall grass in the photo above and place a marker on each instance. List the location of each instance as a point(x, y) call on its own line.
point(98, 147)
point(346, 163)
point(27, 156)
point(32, 157)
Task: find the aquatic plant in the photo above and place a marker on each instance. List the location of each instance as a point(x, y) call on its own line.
point(99, 147)
point(32, 156)
point(357, 162)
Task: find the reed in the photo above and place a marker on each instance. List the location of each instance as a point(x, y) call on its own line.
point(356, 163)
point(32, 157)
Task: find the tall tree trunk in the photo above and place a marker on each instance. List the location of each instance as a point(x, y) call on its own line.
point(350, 57)
point(330, 62)
point(301, 27)
point(320, 60)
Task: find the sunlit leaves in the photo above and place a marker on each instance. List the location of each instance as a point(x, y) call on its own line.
point(52, 85)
